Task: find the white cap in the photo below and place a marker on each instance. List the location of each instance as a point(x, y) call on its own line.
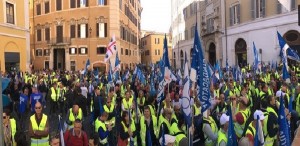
point(260, 114)
point(279, 93)
point(224, 118)
point(168, 139)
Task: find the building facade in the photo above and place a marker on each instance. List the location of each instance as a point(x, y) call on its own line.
point(212, 26)
point(183, 23)
point(14, 35)
point(257, 21)
point(65, 33)
point(152, 47)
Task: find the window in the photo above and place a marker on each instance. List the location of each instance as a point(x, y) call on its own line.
point(38, 9)
point(157, 40)
point(210, 25)
point(192, 30)
point(102, 2)
point(58, 5)
point(235, 14)
point(38, 52)
point(83, 51)
point(101, 50)
point(155, 52)
point(258, 8)
point(73, 65)
point(59, 34)
point(121, 51)
point(73, 31)
point(72, 3)
point(126, 51)
point(10, 16)
point(39, 35)
point(184, 13)
point(186, 35)
point(46, 52)
point(47, 7)
point(101, 30)
point(147, 53)
point(158, 52)
point(47, 34)
point(82, 3)
point(82, 30)
point(72, 51)
point(120, 4)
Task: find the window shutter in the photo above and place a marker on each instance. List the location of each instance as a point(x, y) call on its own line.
point(105, 2)
point(75, 50)
point(87, 30)
point(231, 16)
point(86, 50)
point(278, 7)
point(238, 13)
point(105, 29)
point(253, 9)
point(78, 30)
point(86, 3)
point(263, 6)
point(293, 5)
point(78, 3)
point(97, 29)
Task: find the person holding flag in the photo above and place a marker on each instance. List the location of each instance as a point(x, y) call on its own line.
point(222, 138)
point(252, 128)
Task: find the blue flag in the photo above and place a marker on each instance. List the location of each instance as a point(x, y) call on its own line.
point(203, 81)
point(61, 133)
point(125, 76)
point(232, 140)
point(87, 65)
point(152, 85)
point(286, 50)
point(110, 76)
point(5, 82)
point(255, 63)
point(259, 137)
point(283, 53)
point(284, 139)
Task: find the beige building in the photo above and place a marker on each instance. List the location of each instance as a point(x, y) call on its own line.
point(211, 30)
point(65, 33)
point(152, 47)
point(14, 35)
point(257, 21)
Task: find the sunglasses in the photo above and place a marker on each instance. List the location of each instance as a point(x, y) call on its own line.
point(108, 102)
point(4, 117)
point(38, 107)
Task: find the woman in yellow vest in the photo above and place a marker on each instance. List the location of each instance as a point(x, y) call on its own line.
point(109, 107)
point(127, 101)
point(141, 99)
point(270, 121)
point(9, 129)
point(39, 133)
point(127, 131)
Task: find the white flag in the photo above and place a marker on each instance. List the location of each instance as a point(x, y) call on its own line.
point(286, 4)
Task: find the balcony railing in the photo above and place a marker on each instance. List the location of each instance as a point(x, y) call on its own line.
point(59, 41)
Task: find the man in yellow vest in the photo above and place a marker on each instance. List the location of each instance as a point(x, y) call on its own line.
point(222, 134)
point(9, 129)
point(148, 124)
point(127, 101)
point(73, 113)
point(210, 129)
point(102, 129)
point(39, 127)
point(54, 98)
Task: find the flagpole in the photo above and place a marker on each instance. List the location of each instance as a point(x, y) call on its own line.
point(1, 111)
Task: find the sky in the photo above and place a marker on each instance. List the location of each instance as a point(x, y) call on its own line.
point(156, 15)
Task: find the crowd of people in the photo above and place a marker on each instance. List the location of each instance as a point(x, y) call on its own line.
point(127, 114)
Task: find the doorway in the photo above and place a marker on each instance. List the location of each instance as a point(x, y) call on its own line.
point(59, 59)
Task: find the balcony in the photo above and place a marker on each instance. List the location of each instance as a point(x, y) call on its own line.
point(59, 41)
